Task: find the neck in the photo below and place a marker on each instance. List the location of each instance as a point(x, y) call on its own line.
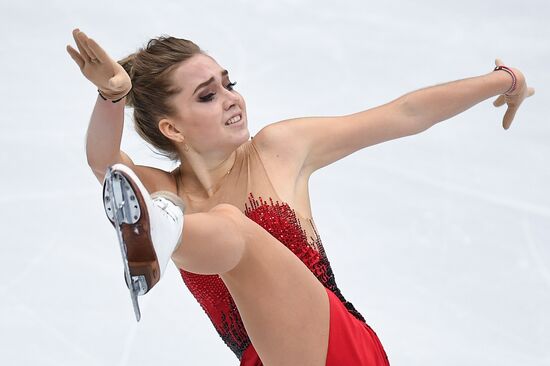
point(202, 178)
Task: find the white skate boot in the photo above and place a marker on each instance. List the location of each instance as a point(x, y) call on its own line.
point(148, 229)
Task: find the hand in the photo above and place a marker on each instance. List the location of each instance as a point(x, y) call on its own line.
point(108, 75)
point(515, 98)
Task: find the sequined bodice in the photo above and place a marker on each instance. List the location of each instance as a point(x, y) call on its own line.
point(281, 221)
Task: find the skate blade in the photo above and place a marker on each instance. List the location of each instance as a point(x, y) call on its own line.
point(125, 199)
point(123, 202)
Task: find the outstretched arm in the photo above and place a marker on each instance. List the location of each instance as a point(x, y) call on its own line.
point(429, 106)
point(314, 142)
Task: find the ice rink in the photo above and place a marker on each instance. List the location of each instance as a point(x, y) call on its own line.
point(440, 239)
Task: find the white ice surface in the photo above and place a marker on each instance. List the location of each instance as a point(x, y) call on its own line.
point(441, 239)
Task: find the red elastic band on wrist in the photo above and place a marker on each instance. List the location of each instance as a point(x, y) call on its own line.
point(509, 71)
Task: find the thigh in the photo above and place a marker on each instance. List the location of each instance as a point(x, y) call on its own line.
point(351, 342)
point(284, 307)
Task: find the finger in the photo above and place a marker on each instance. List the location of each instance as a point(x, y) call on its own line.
point(99, 52)
point(75, 56)
point(499, 62)
point(89, 48)
point(499, 101)
point(84, 43)
point(78, 42)
point(530, 91)
point(508, 118)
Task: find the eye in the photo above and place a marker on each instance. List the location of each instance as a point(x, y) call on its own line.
point(210, 96)
point(207, 98)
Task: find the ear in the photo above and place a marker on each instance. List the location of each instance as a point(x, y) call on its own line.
point(168, 128)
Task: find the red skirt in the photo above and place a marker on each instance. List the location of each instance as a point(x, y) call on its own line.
point(351, 342)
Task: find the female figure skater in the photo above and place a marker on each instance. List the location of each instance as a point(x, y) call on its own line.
point(235, 215)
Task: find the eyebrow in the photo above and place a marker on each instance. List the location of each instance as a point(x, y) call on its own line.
point(224, 73)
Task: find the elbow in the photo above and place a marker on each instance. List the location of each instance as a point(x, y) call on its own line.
point(100, 162)
point(93, 162)
point(99, 167)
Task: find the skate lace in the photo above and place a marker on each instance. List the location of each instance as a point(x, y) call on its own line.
point(167, 208)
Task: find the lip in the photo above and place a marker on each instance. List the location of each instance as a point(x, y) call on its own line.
point(235, 115)
point(236, 124)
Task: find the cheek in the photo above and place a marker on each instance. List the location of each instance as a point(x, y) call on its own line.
point(205, 122)
point(204, 113)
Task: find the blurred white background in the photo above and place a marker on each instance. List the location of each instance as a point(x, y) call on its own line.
point(441, 240)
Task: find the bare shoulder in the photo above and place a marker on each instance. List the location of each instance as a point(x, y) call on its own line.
point(280, 147)
point(283, 159)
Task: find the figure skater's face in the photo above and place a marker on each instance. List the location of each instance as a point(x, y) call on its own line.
point(204, 106)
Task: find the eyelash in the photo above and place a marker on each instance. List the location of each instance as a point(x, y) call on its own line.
point(208, 97)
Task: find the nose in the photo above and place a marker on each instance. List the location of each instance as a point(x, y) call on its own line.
point(231, 99)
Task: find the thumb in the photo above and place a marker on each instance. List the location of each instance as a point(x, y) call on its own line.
point(75, 56)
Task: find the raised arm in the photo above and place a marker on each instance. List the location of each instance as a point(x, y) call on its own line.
point(106, 123)
point(104, 136)
point(319, 141)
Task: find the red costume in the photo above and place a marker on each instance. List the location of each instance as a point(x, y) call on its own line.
point(351, 340)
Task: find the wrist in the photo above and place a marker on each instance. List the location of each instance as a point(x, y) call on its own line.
point(114, 98)
point(512, 79)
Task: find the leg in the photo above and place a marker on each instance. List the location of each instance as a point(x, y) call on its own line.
point(211, 242)
point(284, 308)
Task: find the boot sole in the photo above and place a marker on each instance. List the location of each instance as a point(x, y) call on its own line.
point(134, 226)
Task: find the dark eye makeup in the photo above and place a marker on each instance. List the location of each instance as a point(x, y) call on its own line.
point(210, 96)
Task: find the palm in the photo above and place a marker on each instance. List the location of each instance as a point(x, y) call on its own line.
point(96, 65)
